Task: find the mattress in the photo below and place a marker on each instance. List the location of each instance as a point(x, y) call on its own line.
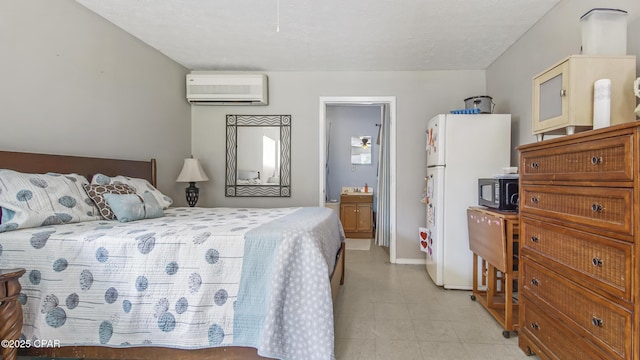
point(195, 278)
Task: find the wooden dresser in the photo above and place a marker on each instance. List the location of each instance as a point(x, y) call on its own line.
point(579, 218)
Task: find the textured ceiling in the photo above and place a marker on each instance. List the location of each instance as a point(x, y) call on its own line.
point(326, 35)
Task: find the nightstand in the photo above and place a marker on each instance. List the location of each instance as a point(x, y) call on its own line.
point(10, 310)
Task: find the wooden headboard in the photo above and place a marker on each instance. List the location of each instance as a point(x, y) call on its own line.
point(87, 166)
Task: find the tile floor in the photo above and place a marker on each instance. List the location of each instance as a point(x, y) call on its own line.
point(387, 311)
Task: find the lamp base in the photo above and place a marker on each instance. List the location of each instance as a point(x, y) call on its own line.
point(192, 194)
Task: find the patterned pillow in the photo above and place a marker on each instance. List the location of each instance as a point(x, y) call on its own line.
point(140, 185)
point(96, 193)
point(32, 200)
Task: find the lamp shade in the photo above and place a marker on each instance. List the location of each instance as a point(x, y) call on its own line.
point(192, 172)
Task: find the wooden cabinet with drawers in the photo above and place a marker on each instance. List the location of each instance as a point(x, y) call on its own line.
point(579, 274)
point(356, 215)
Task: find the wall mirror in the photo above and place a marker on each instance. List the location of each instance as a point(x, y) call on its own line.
point(361, 150)
point(258, 155)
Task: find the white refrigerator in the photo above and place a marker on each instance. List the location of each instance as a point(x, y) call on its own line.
point(460, 150)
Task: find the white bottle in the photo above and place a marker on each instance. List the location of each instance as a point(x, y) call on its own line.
point(601, 103)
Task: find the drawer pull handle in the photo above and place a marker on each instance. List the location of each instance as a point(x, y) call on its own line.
point(596, 262)
point(596, 160)
point(534, 199)
point(597, 322)
point(535, 326)
point(534, 239)
point(535, 282)
point(596, 208)
point(534, 165)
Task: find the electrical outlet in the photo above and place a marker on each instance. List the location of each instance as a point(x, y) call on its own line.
point(353, 168)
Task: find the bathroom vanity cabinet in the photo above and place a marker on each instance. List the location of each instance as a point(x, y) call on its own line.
point(356, 215)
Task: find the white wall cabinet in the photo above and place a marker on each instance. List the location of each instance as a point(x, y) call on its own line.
point(563, 93)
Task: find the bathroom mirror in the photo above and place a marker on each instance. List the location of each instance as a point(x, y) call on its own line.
point(361, 150)
point(258, 156)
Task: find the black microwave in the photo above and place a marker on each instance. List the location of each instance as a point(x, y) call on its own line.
point(498, 193)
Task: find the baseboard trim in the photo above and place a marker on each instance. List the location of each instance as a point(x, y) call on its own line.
point(403, 261)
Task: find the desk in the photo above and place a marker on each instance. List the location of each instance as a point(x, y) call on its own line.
point(10, 310)
point(493, 237)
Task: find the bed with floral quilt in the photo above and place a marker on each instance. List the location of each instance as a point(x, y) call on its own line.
point(154, 281)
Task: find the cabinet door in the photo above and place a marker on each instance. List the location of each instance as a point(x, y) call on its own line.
point(349, 217)
point(550, 100)
point(364, 217)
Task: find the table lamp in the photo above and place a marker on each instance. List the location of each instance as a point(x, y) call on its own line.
point(191, 173)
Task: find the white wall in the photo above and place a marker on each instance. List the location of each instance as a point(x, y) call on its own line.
point(73, 83)
point(556, 36)
point(419, 96)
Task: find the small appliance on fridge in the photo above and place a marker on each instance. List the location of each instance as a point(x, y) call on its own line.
point(460, 150)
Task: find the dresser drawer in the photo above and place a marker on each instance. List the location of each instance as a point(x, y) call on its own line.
point(587, 259)
point(556, 340)
point(598, 207)
point(603, 321)
point(596, 160)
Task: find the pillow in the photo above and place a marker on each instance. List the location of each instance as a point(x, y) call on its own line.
point(97, 192)
point(130, 207)
point(32, 200)
point(140, 185)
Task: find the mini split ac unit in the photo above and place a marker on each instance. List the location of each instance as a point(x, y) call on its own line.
point(227, 89)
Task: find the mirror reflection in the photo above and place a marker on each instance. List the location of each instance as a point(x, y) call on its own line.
point(258, 155)
point(361, 150)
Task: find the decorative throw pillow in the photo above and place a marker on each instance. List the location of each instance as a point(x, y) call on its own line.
point(140, 185)
point(97, 192)
point(32, 200)
point(131, 207)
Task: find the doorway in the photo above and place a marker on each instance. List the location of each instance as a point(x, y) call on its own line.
point(390, 116)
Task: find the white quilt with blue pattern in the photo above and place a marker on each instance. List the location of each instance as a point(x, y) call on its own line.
point(195, 278)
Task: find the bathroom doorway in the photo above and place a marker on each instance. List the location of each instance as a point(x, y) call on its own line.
point(386, 120)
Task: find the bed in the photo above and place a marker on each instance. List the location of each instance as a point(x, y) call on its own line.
point(190, 285)
point(253, 177)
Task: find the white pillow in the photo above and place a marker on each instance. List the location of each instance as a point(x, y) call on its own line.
point(141, 186)
point(32, 200)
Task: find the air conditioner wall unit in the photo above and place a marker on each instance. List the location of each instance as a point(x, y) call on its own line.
point(227, 89)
